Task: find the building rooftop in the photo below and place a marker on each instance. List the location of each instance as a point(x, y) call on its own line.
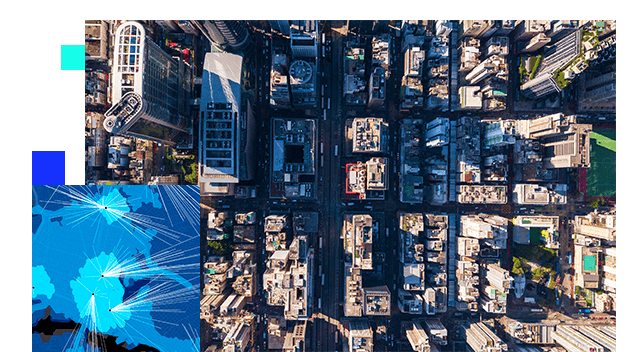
point(369, 135)
point(360, 336)
point(411, 182)
point(597, 225)
point(353, 294)
point(481, 338)
point(409, 303)
point(358, 240)
point(380, 51)
point(377, 301)
point(279, 94)
point(294, 159)
point(539, 195)
point(364, 179)
point(492, 230)
point(482, 194)
point(287, 282)
point(537, 229)
point(220, 121)
point(470, 97)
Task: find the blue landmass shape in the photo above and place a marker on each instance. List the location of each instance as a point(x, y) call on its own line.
point(41, 282)
point(95, 294)
point(113, 206)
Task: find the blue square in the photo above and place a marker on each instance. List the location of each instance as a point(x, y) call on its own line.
point(72, 57)
point(47, 167)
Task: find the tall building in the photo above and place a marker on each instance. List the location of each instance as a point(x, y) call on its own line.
point(417, 337)
point(283, 27)
point(495, 292)
point(238, 337)
point(506, 27)
point(360, 336)
point(597, 225)
point(228, 35)
point(369, 135)
point(150, 90)
point(540, 86)
point(302, 75)
point(226, 123)
point(491, 66)
point(287, 280)
point(279, 93)
point(536, 43)
point(569, 148)
point(377, 301)
point(467, 275)
point(377, 85)
point(294, 158)
point(304, 39)
point(437, 132)
point(492, 230)
point(560, 53)
point(561, 28)
point(565, 142)
point(187, 27)
point(555, 57)
point(527, 29)
point(597, 91)
point(294, 341)
point(499, 133)
point(532, 194)
point(481, 339)
point(573, 340)
point(443, 28)
point(96, 40)
point(476, 28)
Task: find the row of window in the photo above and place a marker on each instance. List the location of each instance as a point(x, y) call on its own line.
point(218, 115)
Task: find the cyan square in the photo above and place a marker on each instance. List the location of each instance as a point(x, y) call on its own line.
point(72, 57)
point(47, 167)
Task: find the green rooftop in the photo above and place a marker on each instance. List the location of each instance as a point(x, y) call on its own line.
point(601, 176)
point(535, 235)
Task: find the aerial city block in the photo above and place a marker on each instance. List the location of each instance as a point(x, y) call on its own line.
point(415, 185)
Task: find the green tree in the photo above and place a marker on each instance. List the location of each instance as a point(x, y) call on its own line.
point(517, 266)
point(221, 248)
point(537, 273)
point(193, 176)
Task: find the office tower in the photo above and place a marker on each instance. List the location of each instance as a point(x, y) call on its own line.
point(226, 123)
point(417, 337)
point(481, 339)
point(506, 27)
point(555, 57)
point(150, 90)
point(527, 29)
point(478, 28)
point(304, 39)
point(536, 43)
point(281, 26)
point(302, 79)
point(562, 28)
point(279, 94)
point(231, 36)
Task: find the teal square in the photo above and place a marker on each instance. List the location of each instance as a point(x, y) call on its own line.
point(72, 57)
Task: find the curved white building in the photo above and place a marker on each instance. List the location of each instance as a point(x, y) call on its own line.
point(150, 90)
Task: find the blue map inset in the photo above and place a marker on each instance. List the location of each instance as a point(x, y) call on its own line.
point(118, 260)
